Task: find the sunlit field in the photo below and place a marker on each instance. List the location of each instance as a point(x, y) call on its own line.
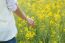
point(49, 17)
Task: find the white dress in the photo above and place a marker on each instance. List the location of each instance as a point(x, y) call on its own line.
point(8, 28)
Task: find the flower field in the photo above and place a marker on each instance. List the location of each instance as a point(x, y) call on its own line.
point(49, 17)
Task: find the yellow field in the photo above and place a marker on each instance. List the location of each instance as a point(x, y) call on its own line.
point(49, 17)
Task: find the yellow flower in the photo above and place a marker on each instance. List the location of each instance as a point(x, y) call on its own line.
point(64, 30)
point(52, 22)
point(40, 1)
point(48, 5)
point(19, 19)
point(40, 41)
point(50, 14)
point(28, 4)
point(53, 6)
point(34, 7)
point(58, 5)
point(33, 17)
point(30, 34)
point(57, 17)
point(54, 41)
point(41, 16)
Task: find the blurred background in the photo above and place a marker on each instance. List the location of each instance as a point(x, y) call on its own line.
point(49, 17)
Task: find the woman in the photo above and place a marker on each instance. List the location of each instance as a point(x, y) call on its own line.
point(8, 28)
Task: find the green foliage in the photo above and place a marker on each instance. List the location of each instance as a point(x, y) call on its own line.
point(49, 17)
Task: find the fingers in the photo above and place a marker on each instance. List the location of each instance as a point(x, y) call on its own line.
point(31, 22)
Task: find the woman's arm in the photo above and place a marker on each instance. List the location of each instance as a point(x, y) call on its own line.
point(13, 6)
point(22, 15)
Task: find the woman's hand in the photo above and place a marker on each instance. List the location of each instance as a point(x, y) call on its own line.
point(30, 22)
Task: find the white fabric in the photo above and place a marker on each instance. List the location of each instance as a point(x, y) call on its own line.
point(12, 4)
point(8, 28)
